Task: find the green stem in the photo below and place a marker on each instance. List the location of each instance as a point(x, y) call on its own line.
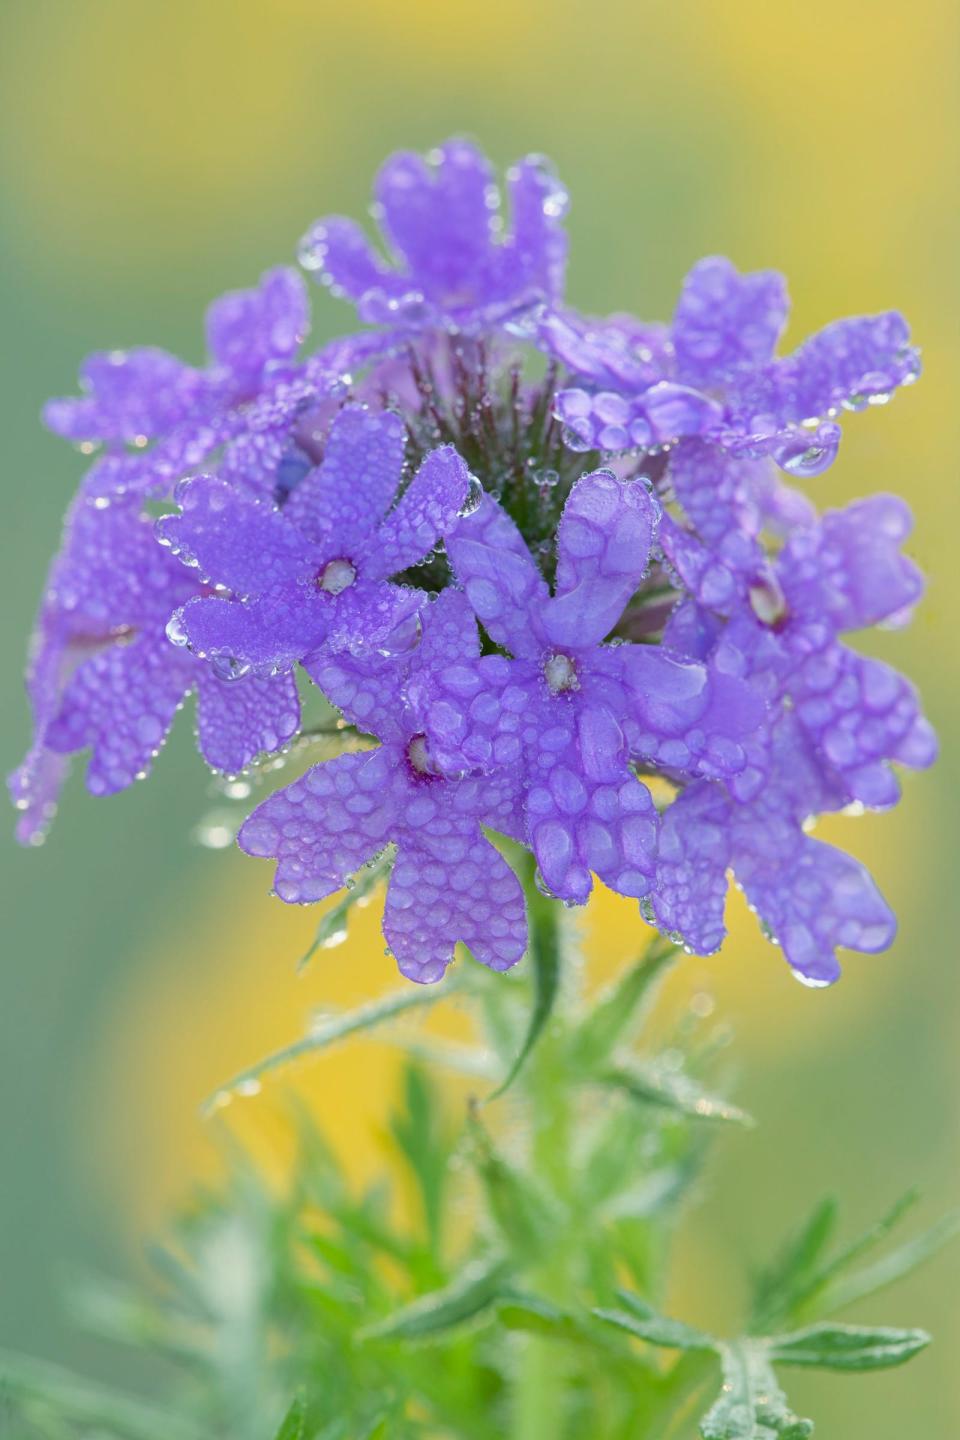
point(539, 1392)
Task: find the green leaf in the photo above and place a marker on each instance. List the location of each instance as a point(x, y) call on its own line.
point(617, 1008)
point(328, 1030)
point(420, 1133)
point(672, 1090)
point(847, 1347)
point(545, 955)
point(751, 1405)
point(525, 1214)
point(294, 1423)
point(536, 1316)
point(85, 1403)
point(333, 927)
point(872, 1278)
point(777, 1288)
point(805, 1295)
point(644, 1323)
point(434, 1316)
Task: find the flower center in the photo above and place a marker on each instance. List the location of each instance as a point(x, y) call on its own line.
point(560, 673)
point(336, 575)
point(768, 603)
point(418, 756)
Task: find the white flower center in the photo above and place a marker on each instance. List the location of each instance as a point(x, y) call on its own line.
point(419, 755)
point(767, 602)
point(335, 576)
point(560, 673)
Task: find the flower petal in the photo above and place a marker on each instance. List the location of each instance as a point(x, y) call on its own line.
point(325, 826)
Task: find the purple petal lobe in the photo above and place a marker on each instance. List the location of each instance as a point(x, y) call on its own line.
point(603, 543)
point(248, 328)
point(849, 568)
point(495, 568)
point(267, 634)
point(242, 543)
point(340, 505)
point(324, 826)
point(692, 858)
point(239, 720)
point(121, 703)
point(423, 515)
point(475, 898)
point(725, 321)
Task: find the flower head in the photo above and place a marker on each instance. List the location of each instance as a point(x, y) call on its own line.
point(550, 599)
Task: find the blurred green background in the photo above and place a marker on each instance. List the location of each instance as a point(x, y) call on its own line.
point(155, 154)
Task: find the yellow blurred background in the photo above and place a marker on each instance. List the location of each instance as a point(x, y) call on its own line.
point(154, 154)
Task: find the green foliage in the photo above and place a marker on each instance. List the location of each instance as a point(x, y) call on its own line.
point(509, 1281)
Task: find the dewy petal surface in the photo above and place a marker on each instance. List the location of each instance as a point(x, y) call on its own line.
point(237, 720)
point(243, 543)
point(603, 544)
point(340, 505)
point(324, 826)
point(726, 321)
point(425, 512)
point(495, 568)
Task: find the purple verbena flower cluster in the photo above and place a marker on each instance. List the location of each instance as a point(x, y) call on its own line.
point(583, 611)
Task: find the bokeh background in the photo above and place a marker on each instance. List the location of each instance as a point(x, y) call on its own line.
point(155, 154)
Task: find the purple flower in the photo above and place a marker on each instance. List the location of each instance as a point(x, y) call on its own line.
point(837, 720)
point(811, 896)
point(573, 712)
point(316, 571)
point(453, 266)
point(448, 883)
point(105, 676)
point(719, 378)
point(175, 415)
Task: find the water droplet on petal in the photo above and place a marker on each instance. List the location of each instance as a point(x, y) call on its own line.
point(473, 497)
point(228, 667)
point(176, 631)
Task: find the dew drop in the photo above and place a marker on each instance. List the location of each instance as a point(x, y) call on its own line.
point(472, 502)
point(228, 667)
point(176, 632)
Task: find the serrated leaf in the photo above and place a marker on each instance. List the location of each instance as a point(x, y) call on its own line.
point(333, 927)
point(872, 1278)
point(642, 1321)
point(545, 958)
point(751, 1405)
point(294, 1424)
point(673, 1090)
point(434, 1316)
point(326, 1031)
point(617, 1008)
point(847, 1347)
